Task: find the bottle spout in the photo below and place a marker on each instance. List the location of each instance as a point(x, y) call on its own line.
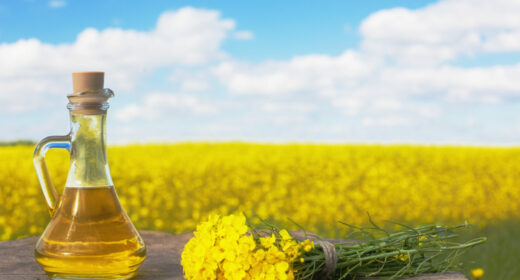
point(89, 96)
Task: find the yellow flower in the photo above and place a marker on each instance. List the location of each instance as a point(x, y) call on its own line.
point(477, 273)
point(259, 255)
point(222, 249)
point(402, 257)
point(285, 235)
point(308, 245)
point(267, 242)
point(422, 238)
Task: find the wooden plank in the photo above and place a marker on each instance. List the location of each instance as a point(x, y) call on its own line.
point(162, 261)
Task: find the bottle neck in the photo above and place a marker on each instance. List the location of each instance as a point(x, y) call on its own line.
point(88, 162)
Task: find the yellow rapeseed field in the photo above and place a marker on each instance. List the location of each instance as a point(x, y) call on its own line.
point(172, 187)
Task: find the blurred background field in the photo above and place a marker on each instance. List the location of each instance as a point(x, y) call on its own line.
point(171, 187)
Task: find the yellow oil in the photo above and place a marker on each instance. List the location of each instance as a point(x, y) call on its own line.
point(90, 236)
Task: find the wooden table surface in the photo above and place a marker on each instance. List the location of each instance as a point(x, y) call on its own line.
point(162, 260)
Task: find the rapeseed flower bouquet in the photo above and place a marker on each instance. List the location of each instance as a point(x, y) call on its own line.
point(228, 248)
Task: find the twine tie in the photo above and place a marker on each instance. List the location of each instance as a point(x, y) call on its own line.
point(331, 259)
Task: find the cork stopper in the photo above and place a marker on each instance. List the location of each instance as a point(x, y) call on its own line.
point(87, 81)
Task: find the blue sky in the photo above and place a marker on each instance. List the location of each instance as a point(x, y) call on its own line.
point(432, 72)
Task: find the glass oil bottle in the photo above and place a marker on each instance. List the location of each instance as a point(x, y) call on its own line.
point(89, 236)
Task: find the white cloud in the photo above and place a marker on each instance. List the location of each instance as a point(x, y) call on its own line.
point(443, 31)
point(309, 73)
point(359, 85)
point(194, 85)
point(191, 80)
point(243, 35)
point(159, 104)
point(457, 84)
point(387, 121)
point(349, 105)
point(57, 3)
point(293, 107)
point(32, 72)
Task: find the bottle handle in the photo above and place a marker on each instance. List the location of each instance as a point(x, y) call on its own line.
point(62, 142)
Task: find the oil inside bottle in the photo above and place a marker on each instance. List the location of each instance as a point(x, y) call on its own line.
point(90, 236)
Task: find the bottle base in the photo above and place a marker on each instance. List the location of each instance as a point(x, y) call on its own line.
point(59, 276)
point(99, 267)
